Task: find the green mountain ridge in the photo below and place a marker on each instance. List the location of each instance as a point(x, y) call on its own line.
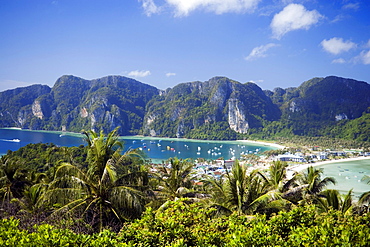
point(219, 108)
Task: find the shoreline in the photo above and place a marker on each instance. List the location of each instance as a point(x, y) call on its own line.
point(264, 143)
point(260, 143)
point(301, 167)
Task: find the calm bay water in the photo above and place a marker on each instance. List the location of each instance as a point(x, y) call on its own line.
point(348, 175)
point(157, 149)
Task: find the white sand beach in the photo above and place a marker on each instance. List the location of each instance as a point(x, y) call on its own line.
point(264, 143)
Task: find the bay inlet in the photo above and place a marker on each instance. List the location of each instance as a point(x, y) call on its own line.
point(348, 174)
point(156, 149)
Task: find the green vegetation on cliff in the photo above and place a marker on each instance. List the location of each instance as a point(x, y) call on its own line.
point(219, 108)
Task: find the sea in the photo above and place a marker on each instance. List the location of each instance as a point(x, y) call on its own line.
point(347, 174)
point(156, 149)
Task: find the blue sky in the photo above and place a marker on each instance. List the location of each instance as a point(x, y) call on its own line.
point(275, 43)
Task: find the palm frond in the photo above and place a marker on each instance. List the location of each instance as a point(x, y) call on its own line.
point(364, 198)
point(347, 202)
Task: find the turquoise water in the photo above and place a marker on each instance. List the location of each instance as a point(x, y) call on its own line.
point(348, 175)
point(156, 149)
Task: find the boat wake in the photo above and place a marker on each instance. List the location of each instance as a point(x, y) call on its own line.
point(12, 140)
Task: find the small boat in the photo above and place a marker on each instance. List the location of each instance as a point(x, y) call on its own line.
point(13, 140)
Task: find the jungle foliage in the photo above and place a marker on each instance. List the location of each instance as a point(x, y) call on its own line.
point(95, 195)
point(184, 224)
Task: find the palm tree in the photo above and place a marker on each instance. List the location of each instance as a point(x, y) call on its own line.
point(176, 180)
point(365, 197)
point(237, 189)
point(311, 184)
point(331, 199)
point(280, 190)
point(14, 178)
point(109, 186)
point(277, 175)
point(32, 200)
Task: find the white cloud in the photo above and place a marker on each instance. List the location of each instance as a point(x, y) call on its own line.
point(339, 18)
point(184, 7)
point(337, 45)
point(260, 51)
point(170, 74)
point(364, 57)
point(257, 81)
point(150, 7)
point(139, 73)
point(293, 17)
point(339, 60)
point(354, 6)
point(368, 44)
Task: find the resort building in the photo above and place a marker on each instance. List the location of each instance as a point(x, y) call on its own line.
point(290, 157)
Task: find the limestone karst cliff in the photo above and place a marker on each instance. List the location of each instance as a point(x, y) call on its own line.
point(190, 106)
point(219, 108)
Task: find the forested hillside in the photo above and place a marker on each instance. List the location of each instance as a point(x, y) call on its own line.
point(216, 109)
point(74, 104)
point(219, 108)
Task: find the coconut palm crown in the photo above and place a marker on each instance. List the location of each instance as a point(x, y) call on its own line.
point(107, 187)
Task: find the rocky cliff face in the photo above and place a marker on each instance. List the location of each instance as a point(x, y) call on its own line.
point(36, 109)
point(217, 108)
point(74, 104)
point(16, 105)
point(237, 117)
point(193, 105)
point(325, 99)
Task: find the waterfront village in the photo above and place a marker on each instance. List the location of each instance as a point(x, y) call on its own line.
point(296, 161)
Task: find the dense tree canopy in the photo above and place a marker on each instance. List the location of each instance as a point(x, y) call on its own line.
point(98, 194)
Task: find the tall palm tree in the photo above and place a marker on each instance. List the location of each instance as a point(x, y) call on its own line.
point(102, 189)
